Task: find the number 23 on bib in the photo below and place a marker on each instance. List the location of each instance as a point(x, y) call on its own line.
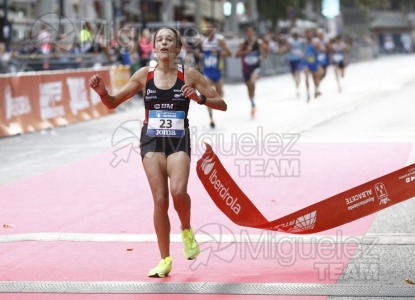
point(163, 123)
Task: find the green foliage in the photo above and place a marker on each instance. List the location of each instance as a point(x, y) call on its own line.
point(275, 10)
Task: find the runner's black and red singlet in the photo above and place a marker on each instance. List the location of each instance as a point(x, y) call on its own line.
point(166, 127)
point(251, 60)
point(166, 110)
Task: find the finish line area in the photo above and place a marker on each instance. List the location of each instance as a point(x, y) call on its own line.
point(210, 256)
point(94, 237)
point(76, 212)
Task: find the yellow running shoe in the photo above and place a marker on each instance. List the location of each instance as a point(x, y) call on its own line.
point(163, 268)
point(191, 248)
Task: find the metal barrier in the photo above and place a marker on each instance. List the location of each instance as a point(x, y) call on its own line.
point(274, 64)
point(53, 61)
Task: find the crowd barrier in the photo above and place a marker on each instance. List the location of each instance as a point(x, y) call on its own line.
point(40, 100)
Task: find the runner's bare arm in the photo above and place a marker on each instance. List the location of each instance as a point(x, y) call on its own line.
point(136, 82)
point(264, 49)
point(284, 46)
point(195, 80)
point(241, 50)
point(346, 47)
point(226, 51)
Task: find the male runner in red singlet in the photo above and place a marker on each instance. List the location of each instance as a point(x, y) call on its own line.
point(252, 51)
point(338, 51)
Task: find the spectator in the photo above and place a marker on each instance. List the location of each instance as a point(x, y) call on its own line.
point(406, 43)
point(145, 48)
point(389, 45)
point(270, 40)
point(43, 39)
point(86, 38)
point(4, 58)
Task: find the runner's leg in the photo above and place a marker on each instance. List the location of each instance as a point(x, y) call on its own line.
point(155, 166)
point(316, 81)
point(307, 83)
point(178, 169)
point(210, 111)
point(337, 72)
point(297, 77)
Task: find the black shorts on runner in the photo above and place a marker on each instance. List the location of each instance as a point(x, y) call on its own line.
point(341, 64)
point(166, 145)
point(248, 72)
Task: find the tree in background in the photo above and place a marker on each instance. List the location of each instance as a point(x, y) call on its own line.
point(274, 10)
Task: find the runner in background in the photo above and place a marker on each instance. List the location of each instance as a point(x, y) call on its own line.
point(252, 51)
point(338, 51)
point(191, 53)
point(323, 53)
point(311, 66)
point(214, 49)
point(295, 57)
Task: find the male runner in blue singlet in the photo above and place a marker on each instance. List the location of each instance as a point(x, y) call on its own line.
point(311, 63)
point(214, 49)
point(295, 57)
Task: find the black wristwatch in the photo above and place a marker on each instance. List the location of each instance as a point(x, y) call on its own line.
point(203, 99)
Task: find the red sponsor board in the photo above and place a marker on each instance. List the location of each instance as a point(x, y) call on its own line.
point(35, 101)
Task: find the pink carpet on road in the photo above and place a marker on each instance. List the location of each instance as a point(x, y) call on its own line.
point(91, 196)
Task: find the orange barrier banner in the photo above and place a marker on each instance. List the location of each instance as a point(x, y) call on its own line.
point(119, 76)
point(340, 209)
point(35, 101)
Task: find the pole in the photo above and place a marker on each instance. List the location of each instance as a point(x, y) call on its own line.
point(6, 9)
point(6, 26)
point(143, 14)
point(234, 18)
point(182, 9)
point(198, 18)
point(253, 11)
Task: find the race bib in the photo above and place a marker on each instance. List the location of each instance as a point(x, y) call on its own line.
point(321, 57)
point(311, 59)
point(251, 59)
point(338, 57)
point(165, 123)
point(297, 52)
point(210, 61)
